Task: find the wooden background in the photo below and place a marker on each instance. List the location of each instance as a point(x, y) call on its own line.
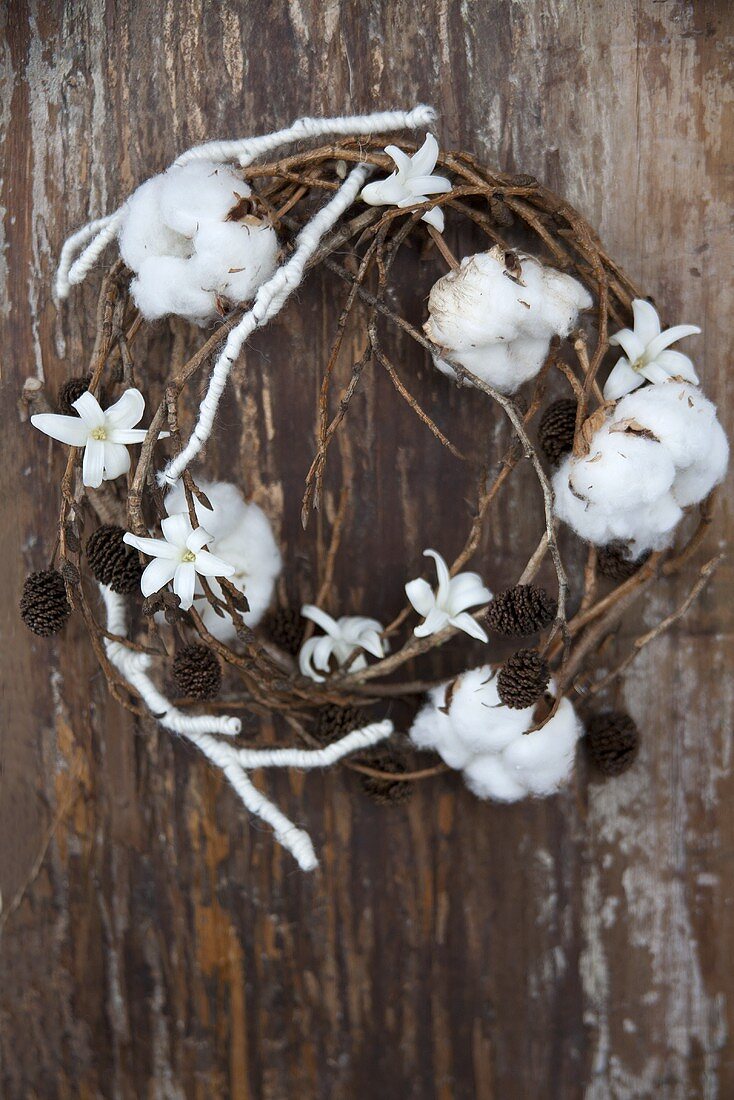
point(153, 942)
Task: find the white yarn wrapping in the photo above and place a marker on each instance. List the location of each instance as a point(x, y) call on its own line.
point(199, 729)
point(268, 302)
point(99, 233)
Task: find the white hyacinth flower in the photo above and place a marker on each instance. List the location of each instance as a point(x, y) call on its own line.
point(178, 557)
point(447, 606)
point(647, 354)
point(105, 434)
point(340, 639)
point(411, 183)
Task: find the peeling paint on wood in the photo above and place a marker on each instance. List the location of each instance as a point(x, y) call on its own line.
point(152, 942)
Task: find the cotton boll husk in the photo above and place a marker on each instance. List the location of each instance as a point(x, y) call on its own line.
point(622, 471)
point(478, 313)
point(169, 284)
point(144, 233)
point(543, 760)
point(488, 776)
point(199, 192)
point(235, 258)
point(479, 719)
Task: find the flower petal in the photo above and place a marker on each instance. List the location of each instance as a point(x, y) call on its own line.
point(420, 594)
point(401, 158)
point(67, 429)
point(304, 660)
point(210, 566)
point(647, 322)
point(435, 621)
point(434, 217)
point(128, 436)
point(428, 185)
point(633, 347)
point(670, 336)
point(678, 365)
point(423, 162)
point(116, 459)
point(469, 625)
point(176, 529)
point(93, 465)
point(89, 410)
point(655, 373)
point(372, 642)
point(621, 380)
point(127, 411)
point(154, 548)
point(467, 590)
point(198, 539)
point(322, 652)
point(316, 615)
point(184, 583)
point(156, 575)
point(444, 578)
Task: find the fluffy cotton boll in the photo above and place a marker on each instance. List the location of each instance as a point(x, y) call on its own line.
point(144, 233)
point(199, 192)
point(498, 322)
point(433, 729)
point(169, 284)
point(489, 777)
point(479, 719)
point(542, 761)
point(244, 538)
point(235, 258)
point(622, 471)
point(686, 424)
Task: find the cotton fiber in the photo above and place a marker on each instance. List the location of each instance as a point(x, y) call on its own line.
point(497, 314)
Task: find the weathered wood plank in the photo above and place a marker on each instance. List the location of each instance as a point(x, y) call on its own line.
point(162, 947)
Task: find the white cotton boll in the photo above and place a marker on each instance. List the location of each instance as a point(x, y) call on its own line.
point(144, 233)
point(199, 192)
point(497, 326)
point(229, 507)
point(433, 729)
point(169, 284)
point(235, 258)
point(622, 471)
point(479, 719)
point(543, 760)
point(694, 484)
point(489, 777)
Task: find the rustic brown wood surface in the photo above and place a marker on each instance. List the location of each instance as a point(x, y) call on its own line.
point(153, 942)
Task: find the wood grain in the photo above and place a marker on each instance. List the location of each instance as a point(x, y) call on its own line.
point(153, 942)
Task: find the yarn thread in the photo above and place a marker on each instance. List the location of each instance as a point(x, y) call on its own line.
point(199, 729)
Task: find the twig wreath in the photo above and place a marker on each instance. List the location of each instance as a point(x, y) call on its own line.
point(223, 239)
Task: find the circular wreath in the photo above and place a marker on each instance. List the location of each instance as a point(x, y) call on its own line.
point(539, 295)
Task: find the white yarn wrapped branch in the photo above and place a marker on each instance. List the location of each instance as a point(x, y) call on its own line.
point(660, 450)
point(92, 239)
point(234, 762)
point(488, 742)
point(498, 320)
point(242, 536)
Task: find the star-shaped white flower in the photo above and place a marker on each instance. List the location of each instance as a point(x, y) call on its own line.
point(105, 434)
point(447, 606)
point(178, 557)
point(339, 640)
point(411, 183)
point(647, 354)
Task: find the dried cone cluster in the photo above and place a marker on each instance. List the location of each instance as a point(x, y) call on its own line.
point(385, 791)
point(612, 562)
point(523, 679)
point(556, 429)
point(613, 740)
point(522, 610)
point(196, 672)
point(112, 562)
point(333, 722)
point(286, 627)
point(44, 607)
point(70, 391)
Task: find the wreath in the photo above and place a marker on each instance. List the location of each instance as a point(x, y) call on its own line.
point(174, 575)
